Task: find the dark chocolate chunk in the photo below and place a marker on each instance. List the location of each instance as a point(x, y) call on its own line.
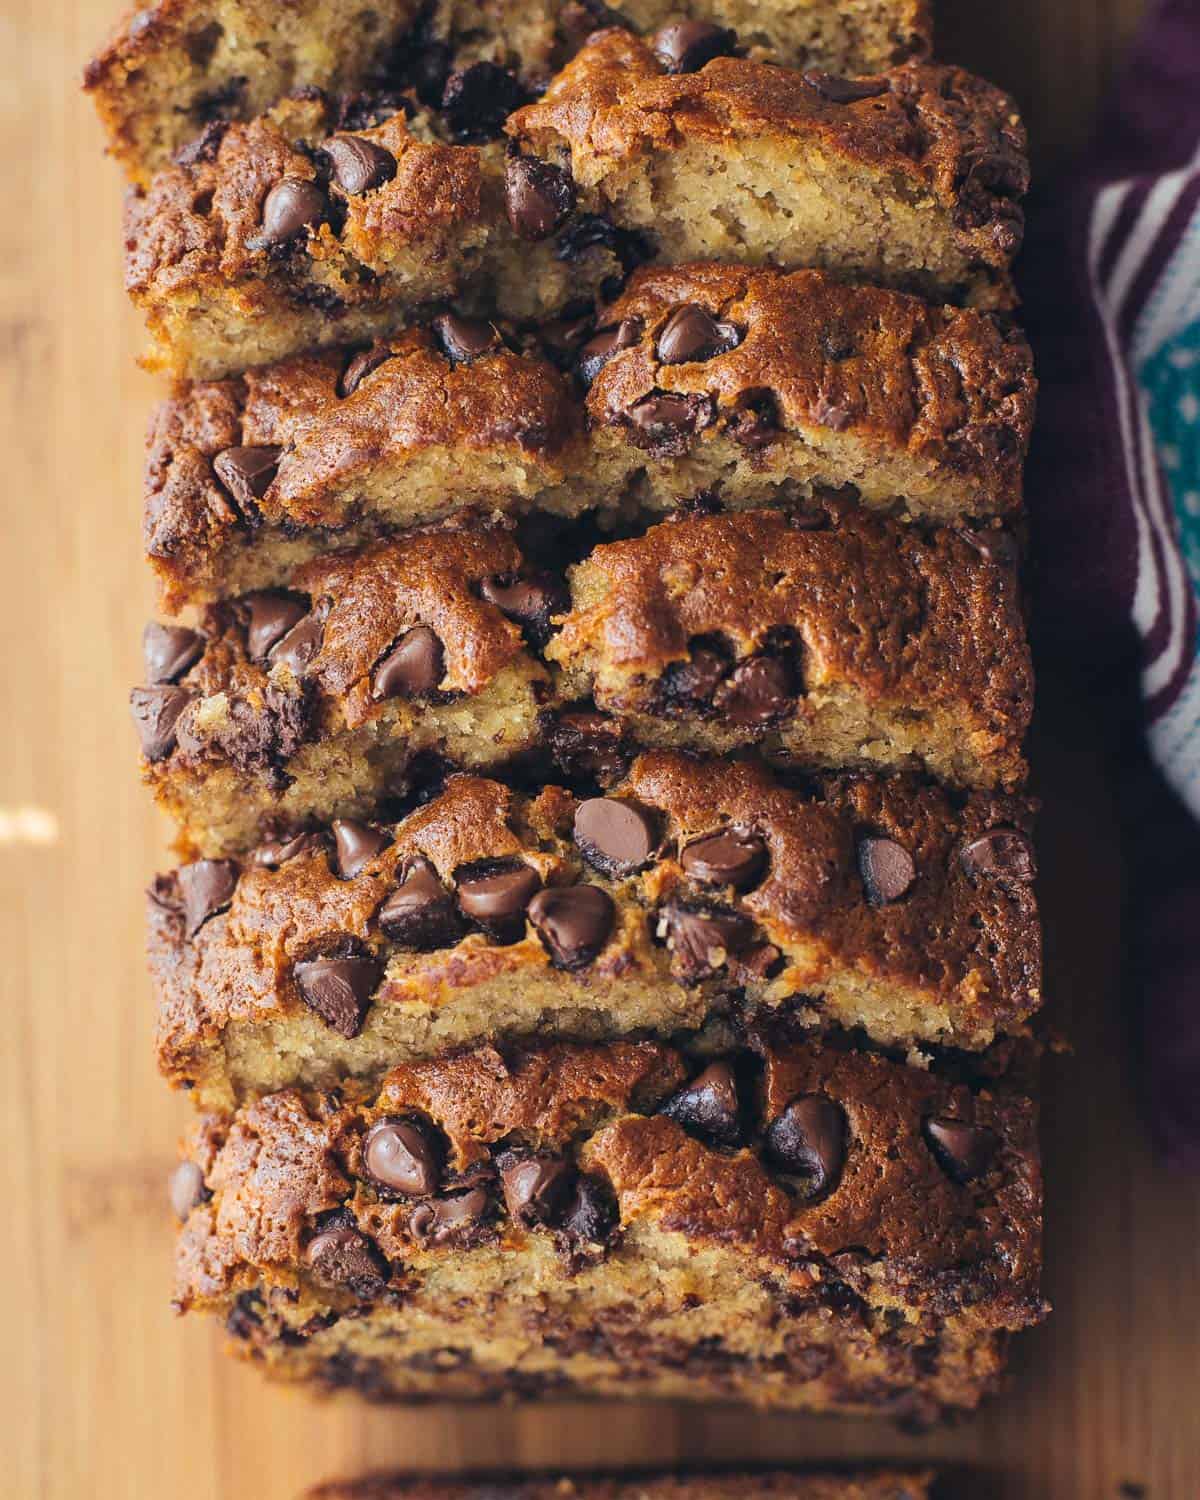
point(277, 852)
point(685, 46)
point(247, 472)
point(887, 869)
point(477, 100)
point(665, 424)
point(532, 601)
point(359, 165)
point(270, 616)
point(207, 887)
point(586, 744)
point(156, 712)
point(539, 197)
point(355, 846)
point(420, 913)
point(963, 1151)
point(615, 835)
point(591, 1214)
point(696, 680)
point(300, 645)
point(168, 651)
point(497, 894)
point(185, 1188)
point(412, 668)
point(291, 206)
point(702, 941)
point(1004, 853)
point(599, 349)
point(691, 335)
point(537, 1189)
point(843, 90)
point(441, 1221)
point(758, 692)
point(573, 921)
point(341, 1256)
point(730, 858)
point(709, 1106)
point(808, 1141)
point(339, 990)
point(464, 339)
point(402, 1155)
point(362, 365)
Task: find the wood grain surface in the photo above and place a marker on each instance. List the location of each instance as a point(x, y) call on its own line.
point(105, 1393)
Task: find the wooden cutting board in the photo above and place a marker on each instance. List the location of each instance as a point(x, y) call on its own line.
point(105, 1393)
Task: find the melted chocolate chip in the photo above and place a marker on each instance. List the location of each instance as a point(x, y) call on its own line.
point(886, 868)
point(695, 681)
point(808, 1141)
point(412, 668)
point(532, 602)
point(291, 206)
point(702, 941)
point(599, 349)
point(729, 858)
point(359, 165)
point(685, 46)
point(300, 645)
point(591, 1215)
point(156, 712)
point(206, 887)
point(573, 921)
point(402, 1156)
point(477, 100)
point(843, 90)
point(497, 894)
point(537, 1189)
point(963, 1151)
point(420, 913)
point(691, 335)
point(709, 1106)
point(1003, 854)
point(758, 692)
point(168, 651)
point(664, 424)
point(277, 852)
point(361, 365)
point(539, 197)
point(341, 1256)
point(442, 1221)
point(247, 472)
point(614, 835)
point(586, 744)
point(270, 616)
point(339, 990)
point(185, 1188)
point(464, 339)
point(355, 846)
point(591, 231)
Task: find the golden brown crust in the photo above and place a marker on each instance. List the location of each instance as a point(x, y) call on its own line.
point(956, 959)
point(889, 1484)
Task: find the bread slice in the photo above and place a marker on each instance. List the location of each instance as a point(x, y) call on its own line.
point(795, 1227)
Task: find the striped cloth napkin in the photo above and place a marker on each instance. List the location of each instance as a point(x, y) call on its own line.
point(1113, 304)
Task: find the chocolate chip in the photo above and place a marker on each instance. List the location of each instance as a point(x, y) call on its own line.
point(168, 651)
point(586, 745)
point(696, 680)
point(412, 668)
point(359, 165)
point(690, 335)
point(531, 602)
point(207, 887)
point(288, 210)
point(591, 231)
point(591, 1215)
point(271, 616)
point(362, 365)
point(464, 339)
point(277, 852)
point(1002, 853)
point(598, 350)
point(537, 1189)
point(843, 90)
point(729, 858)
point(886, 868)
point(702, 941)
point(420, 913)
point(402, 1156)
point(244, 1321)
point(355, 846)
point(247, 472)
point(156, 712)
point(539, 197)
point(343, 1257)
point(443, 1220)
point(477, 100)
point(573, 921)
point(205, 146)
point(185, 1188)
point(663, 423)
point(339, 990)
point(962, 1150)
point(709, 1106)
point(836, 415)
point(614, 835)
point(758, 692)
point(497, 894)
point(685, 46)
point(298, 648)
point(808, 1141)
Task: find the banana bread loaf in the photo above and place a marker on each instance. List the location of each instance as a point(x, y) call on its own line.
point(797, 1227)
point(694, 892)
point(874, 1484)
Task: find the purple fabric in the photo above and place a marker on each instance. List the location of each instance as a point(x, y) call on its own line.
point(1116, 602)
